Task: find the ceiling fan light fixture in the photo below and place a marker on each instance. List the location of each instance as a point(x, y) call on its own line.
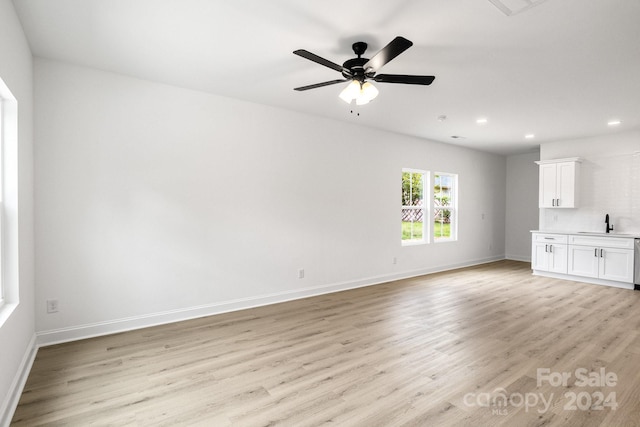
point(368, 91)
point(361, 100)
point(350, 92)
point(363, 93)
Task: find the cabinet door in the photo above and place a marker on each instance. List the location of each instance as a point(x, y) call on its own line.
point(539, 258)
point(558, 258)
point(566, 184)
point(617, 264)
point(583, 261)
point(548, 185)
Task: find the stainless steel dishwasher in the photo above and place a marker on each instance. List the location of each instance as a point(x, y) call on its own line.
point(636, 265)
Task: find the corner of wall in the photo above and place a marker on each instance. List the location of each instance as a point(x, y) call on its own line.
point(10, 403)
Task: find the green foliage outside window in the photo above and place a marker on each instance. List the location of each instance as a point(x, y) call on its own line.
point(413, 211)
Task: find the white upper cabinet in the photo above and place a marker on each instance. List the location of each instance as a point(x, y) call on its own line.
point(559, 183)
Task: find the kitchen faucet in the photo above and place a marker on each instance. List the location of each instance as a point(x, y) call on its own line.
point(606, 220)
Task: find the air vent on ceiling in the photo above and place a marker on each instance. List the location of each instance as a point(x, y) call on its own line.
point(512, 7)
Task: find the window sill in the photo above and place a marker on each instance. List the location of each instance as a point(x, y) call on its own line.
point(5, 312)
point(445, 240)
point(414, 242)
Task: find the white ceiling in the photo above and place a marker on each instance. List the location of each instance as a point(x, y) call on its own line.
point(561, 69)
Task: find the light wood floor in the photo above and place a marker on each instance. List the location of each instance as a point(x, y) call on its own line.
point(428, 351)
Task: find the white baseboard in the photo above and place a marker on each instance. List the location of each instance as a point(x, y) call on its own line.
point(522, 258)
point(56, 336)
point(17, 385)
point(582, 279)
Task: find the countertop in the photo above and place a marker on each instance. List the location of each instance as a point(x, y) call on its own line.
point(629, 235)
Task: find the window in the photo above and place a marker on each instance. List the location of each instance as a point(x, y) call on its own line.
point(445, 192)
point(414, 210)
point(9, 295)
point(2, 291)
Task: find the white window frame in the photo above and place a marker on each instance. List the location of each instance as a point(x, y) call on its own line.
point(2, 285)
point(426, 229)
point(452, 207)
point(9, 281)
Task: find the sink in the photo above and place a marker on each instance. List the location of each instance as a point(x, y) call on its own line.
point(602, 233)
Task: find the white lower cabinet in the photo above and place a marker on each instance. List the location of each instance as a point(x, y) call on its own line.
point(583, 261)
point(601, 262)
point(606, 260)
point(549, 253)
point(550, 257)
point(617, 264)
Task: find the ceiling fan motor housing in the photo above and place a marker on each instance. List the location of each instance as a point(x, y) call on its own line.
point(359, 48)
point(356, 65)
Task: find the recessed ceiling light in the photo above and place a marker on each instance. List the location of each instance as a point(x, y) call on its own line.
point(482, 121)
point(613, 122)
point(442, 118)
point(529, 136)
point(457, 137)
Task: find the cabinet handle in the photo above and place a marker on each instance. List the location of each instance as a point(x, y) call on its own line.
point(551, 248)
point(546, 248)
point(557, 202)
point(553, 202)
point(601, 251)
point(596, 253)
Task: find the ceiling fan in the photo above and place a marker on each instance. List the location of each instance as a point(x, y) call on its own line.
point(360, 70)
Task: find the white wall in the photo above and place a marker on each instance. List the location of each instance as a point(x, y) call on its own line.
point(610, 183)
point(522, 204)
point(157, 203)
point(17, 331)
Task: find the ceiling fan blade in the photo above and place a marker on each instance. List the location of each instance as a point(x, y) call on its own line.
point(387, 53)
point(405, 79)
point(331, 82)
point(315, 58)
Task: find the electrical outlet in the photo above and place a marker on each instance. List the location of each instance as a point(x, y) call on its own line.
point(301, 273)
point(395, 260)
point(52, 306)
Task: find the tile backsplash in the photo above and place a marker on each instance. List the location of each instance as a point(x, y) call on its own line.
point(609, 184)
